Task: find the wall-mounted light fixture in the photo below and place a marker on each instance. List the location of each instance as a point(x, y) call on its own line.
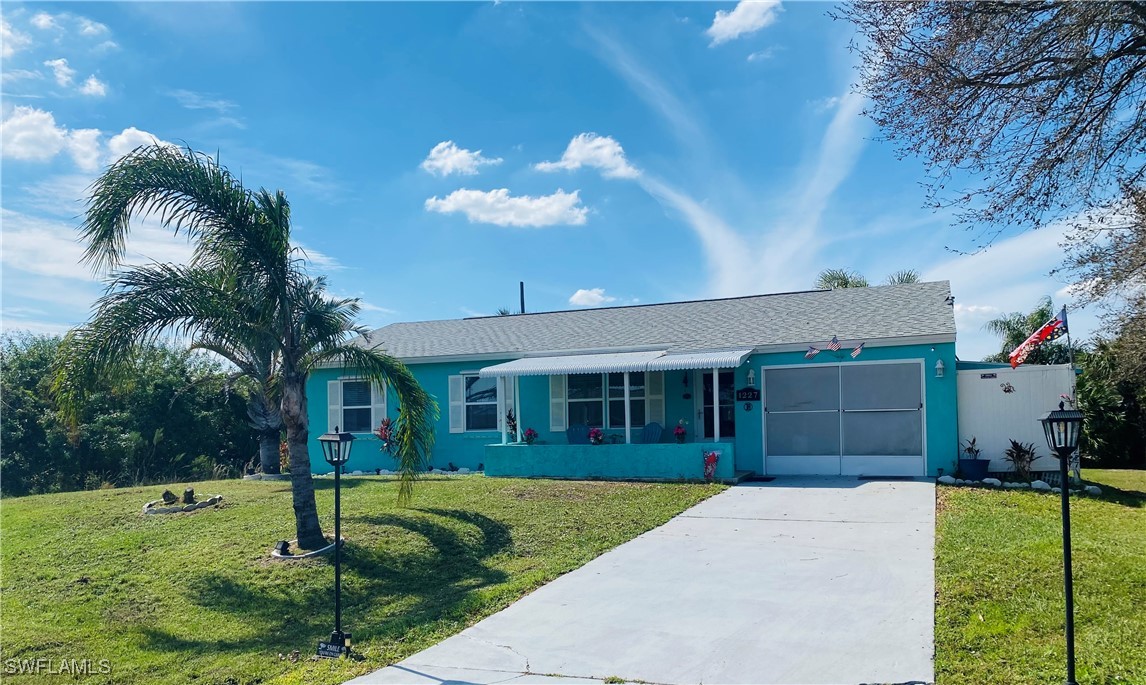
point(751, 378)
point(940, 367)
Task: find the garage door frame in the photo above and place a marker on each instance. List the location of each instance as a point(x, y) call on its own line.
point(867, 465)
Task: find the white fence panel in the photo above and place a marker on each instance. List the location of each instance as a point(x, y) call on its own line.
point(998, 405)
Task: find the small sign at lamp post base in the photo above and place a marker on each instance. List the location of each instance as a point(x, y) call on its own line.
point(338, 645)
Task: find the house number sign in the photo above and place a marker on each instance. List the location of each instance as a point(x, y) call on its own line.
point(748, 395)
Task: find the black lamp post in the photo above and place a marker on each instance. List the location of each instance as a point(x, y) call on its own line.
point(336, 451)
point(1062, 428)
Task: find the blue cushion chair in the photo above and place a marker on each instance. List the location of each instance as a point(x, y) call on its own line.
point(577, 434)
point(651, 433)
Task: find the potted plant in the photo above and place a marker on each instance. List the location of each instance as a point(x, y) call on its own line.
point(972, 467)
point(385, 433)
point(530, 436)
point(596, 436)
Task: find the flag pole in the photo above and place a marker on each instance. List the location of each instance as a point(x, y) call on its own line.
point(1076, 471)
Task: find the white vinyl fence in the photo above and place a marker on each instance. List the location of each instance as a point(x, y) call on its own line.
point(998, 405)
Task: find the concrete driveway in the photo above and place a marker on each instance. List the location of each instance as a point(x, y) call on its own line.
point(800, 580)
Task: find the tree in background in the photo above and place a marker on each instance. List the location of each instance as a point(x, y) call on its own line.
point(245, 283)
point(1114, 410)
point(1014, 328)
point(830, 279)
point(181, 397)
point(1038, 103)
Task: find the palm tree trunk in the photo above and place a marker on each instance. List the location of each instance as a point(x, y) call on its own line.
point(307, 527)
point(269, 452)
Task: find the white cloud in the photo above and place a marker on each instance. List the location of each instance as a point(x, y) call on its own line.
point(91, 28)
point(593, 297)
point(84, 146)
point(749, 16)
point(498, 207)
point(106, 46)
point(447, 158)
point(31, 134)
point(44, 21)
point(598, 152)
point(93, 86)
point(11, 40)
point(60, 69)
point(123, 143)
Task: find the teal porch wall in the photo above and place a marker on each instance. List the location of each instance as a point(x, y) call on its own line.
point(661, 461)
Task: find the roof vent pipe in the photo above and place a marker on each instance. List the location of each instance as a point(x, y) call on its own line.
point(521, 287)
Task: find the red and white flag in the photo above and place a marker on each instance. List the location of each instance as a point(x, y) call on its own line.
point(857, 350)
point(811, 352)
point(834, 344)
point(1051, 330)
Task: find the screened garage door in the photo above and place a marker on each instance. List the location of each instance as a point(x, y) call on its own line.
point(844, 419)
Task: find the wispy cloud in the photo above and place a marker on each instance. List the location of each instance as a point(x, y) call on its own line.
point(749, 16)
point(683, 120)
point(447, 158)
point(11, 75)
point(189, 99)
point(11, 40)
point(500, 208)
point(761, 55)
point(597, 152)
point(590, 297)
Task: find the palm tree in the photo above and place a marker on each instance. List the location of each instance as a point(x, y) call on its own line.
point(830, 279)
point(1014, 328)
point(902, 276)
point(245, 288)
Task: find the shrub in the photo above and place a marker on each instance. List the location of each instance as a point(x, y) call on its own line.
point(1021, 456)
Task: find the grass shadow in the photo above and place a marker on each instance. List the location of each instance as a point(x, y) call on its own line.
point(431, 572)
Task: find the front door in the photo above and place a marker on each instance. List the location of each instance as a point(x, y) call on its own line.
point(727, 405)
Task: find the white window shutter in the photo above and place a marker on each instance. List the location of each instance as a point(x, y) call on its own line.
point(557, 403)
point(655, 397)
point(457, 405)
point(333, 405)
point(377, 404)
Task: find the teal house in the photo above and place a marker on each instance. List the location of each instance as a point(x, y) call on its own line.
point(856, 381)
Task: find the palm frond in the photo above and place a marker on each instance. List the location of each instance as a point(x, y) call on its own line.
point(417, 409)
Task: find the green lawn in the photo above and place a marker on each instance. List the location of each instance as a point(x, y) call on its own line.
point(195, 597)
point(999, 613)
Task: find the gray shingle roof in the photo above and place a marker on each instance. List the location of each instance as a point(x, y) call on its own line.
point(813, 317)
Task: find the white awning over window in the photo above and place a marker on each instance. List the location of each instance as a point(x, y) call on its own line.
point(725, 359)
point(657, 360)
point(571, 364)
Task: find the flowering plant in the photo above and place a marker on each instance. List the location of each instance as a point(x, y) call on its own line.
point(530, 436)
point(596, 436)
point(385, 433)
point(680, 431)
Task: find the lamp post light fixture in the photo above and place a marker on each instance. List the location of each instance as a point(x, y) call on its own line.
point(1062, 428)
point(336, 451)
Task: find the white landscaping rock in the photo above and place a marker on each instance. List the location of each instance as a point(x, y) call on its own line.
point(1057, 491)
point(1040, 485)
point(993, 482)
point(463, 470)
point(356, 473)
point(1093, 490)
point(1012, 486)
point(1024, 486)
point(947, 480)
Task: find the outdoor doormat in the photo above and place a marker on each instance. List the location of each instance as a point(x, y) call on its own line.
point(760, 479)
point(886, 478)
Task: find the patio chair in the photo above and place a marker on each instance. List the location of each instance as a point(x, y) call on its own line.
point(577, 434)
point(651, 433)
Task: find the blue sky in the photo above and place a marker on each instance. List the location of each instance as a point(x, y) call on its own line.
point(437, 154)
